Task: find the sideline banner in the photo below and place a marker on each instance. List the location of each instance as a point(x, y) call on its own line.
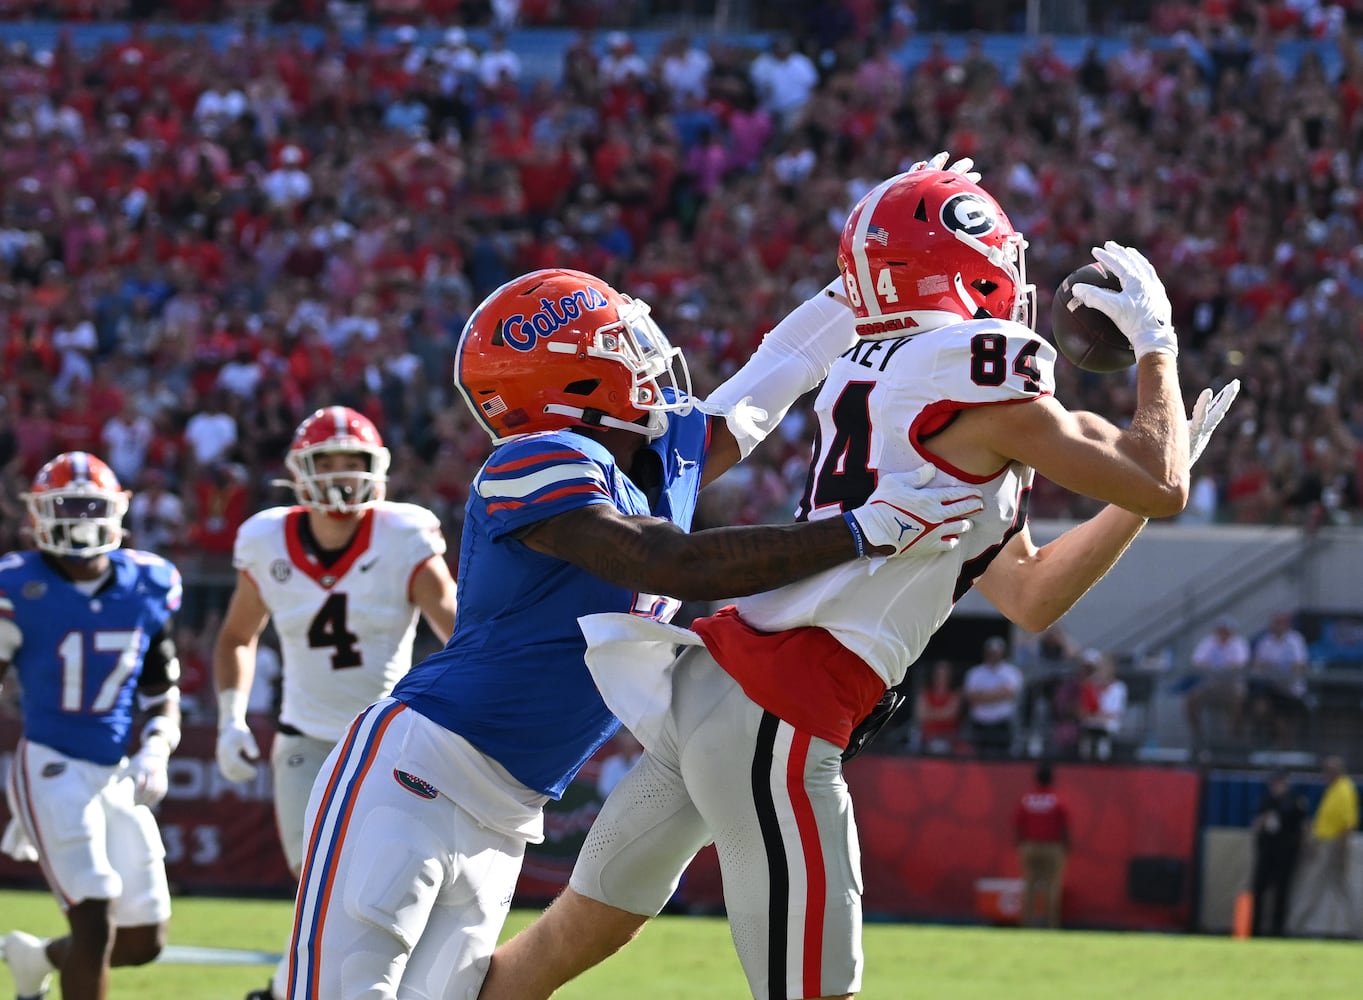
point(221, 836)
point(929, 830)
point(218, 835)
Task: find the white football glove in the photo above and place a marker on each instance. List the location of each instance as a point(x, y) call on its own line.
point(1141, 309)
point(148, 770)
point(904, 513)
point(939, 162)
point(1208, 412)
point(237, 751)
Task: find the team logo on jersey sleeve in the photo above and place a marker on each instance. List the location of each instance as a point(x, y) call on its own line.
point(34, 589)
point(280, 570)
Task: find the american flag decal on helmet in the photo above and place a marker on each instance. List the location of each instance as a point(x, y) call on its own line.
point(493, 406)
point(877, 233)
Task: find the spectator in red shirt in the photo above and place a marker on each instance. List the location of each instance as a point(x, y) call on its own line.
point(938, 711)
point(1041, 827)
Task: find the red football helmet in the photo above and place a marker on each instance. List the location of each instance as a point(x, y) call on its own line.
point(77, 506)
point(559, 348)
point(931, 247)
point(337, 430)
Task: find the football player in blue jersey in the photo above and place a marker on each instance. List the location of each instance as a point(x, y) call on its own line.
point(419, 819)
point(86, 627)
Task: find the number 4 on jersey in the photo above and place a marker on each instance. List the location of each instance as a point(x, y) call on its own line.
point(328, 630)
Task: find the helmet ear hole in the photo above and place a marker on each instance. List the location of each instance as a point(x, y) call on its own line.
point(582, 387)
point(984, 286)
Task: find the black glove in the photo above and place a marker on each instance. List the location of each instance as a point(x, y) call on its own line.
point(870, 727)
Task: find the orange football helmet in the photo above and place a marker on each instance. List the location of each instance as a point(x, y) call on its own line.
point(332, 431)
point(559, 348)
point(77, 506)
point(931, 247)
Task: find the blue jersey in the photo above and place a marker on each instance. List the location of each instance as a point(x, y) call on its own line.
point(512, 680)
point(80, 656)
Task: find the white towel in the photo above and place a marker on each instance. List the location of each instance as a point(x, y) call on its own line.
point(631, 660)
point(16, 844)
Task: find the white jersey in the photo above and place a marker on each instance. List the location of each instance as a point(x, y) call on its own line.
point(345, 630)
point(882, 401)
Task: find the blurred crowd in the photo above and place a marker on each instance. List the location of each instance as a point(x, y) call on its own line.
point(200, 244)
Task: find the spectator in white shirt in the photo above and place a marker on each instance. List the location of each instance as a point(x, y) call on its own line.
point(156, 517)
point(287, 184)
point(1102, 706)
point(211, 432)
point(1277, 677)
point(685, 71)
point(126, 438)
point(621, 63)
point(784, 79)
point(76, 341)
point(1219, 662)
point(218, 107)
point(498, 65)
point(993, 691)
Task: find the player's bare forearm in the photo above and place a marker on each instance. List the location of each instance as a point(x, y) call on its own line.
point(1158, 435)
point(655, 556)
point(1034, 587)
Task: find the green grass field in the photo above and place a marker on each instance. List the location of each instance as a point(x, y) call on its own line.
point(681, 957)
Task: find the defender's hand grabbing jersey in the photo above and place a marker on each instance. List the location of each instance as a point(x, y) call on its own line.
point(343, 636)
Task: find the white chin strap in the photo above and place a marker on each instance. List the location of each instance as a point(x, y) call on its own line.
point(654, 429)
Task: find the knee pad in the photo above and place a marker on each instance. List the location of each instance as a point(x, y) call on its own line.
point(395, 885)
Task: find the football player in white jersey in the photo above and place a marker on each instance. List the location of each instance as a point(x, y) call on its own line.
point(86, 626)
point(344, 576)
point(946, 372)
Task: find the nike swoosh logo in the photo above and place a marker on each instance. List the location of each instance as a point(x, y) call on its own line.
point(366, 567)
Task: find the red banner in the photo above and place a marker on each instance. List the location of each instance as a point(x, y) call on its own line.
point(218, 835)
point(929, 830)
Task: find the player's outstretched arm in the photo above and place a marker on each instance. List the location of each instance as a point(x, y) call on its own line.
point(234, 668)
point(792, 359)
point(1034, 587)
point(652, 555)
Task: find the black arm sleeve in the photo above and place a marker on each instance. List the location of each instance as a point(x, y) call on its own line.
point(161, 665)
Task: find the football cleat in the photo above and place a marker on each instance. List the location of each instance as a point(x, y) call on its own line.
point(26, 956)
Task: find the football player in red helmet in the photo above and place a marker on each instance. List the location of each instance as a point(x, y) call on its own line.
point(337, 461)
point(86, 624)
point(931, 247)
point(344, 576)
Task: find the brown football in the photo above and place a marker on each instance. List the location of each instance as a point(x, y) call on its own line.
point(1083, 334)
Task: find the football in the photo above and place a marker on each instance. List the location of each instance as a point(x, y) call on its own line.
point(1083, 334)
